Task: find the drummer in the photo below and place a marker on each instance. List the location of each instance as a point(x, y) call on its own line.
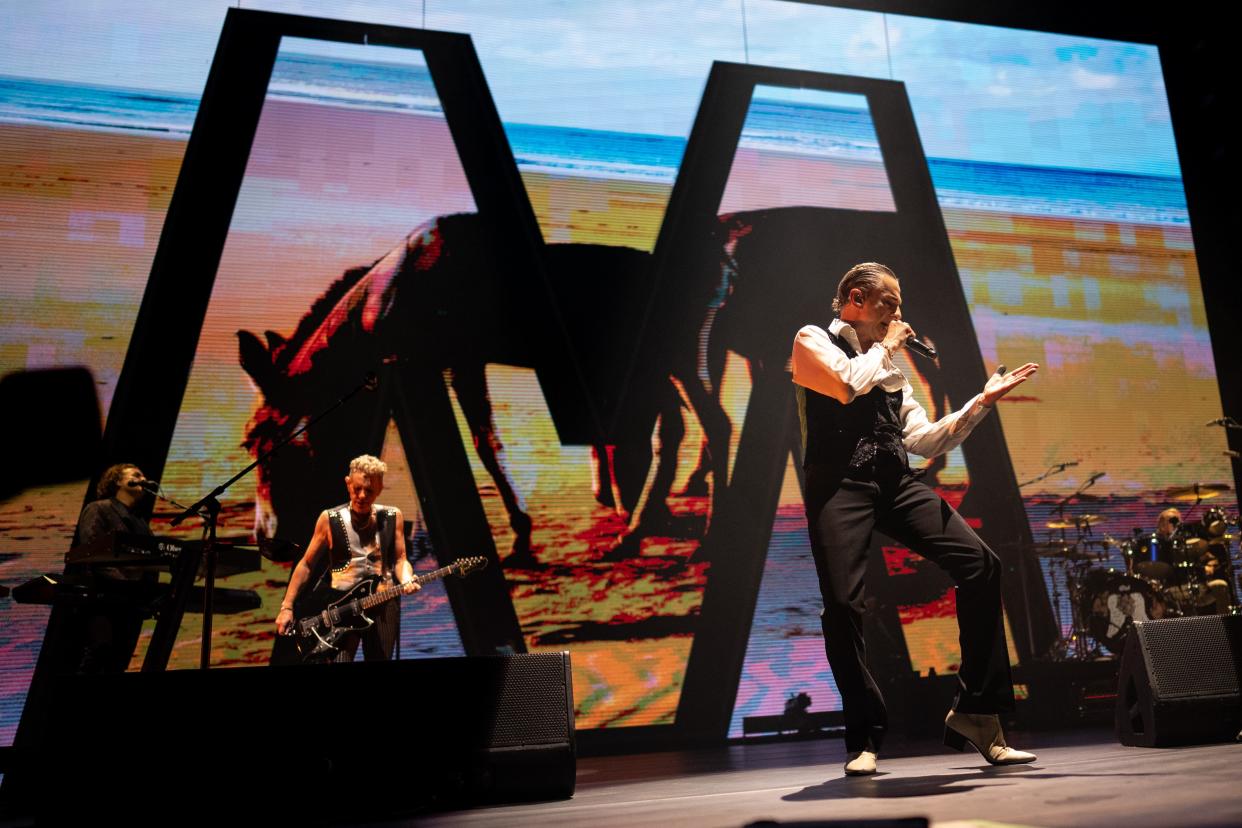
point(1201, 586)
point(1155, 556)
point(1167, 526)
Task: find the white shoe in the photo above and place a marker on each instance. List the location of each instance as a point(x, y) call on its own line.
point(861, 764)
point(984, 733)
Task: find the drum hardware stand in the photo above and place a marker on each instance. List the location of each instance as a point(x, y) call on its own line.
point(1058, 649)
point(1070, 560)
point(1074, 559)
point(1233, 559)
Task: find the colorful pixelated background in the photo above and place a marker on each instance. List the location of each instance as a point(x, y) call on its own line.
point(1054, 165)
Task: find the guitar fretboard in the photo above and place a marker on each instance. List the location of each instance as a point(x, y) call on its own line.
point(377, 598)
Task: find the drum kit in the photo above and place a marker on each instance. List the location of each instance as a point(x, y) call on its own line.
point(1185, 569)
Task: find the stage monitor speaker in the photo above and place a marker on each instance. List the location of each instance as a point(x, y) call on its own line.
point(333, 741)
point(1178, 682)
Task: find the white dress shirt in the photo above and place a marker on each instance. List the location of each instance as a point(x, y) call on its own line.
point(821, 366)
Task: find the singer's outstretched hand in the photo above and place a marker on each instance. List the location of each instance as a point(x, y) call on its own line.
point(999, 385)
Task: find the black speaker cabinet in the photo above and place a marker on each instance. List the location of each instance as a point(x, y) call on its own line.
point(334, 741)
point(1178, 682)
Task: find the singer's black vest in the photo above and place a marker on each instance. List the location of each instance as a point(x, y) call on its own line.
point(848, 440)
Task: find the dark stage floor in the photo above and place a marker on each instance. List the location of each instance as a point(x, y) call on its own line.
point(1081, 778)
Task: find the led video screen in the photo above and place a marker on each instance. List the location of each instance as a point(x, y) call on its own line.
point(363, 237)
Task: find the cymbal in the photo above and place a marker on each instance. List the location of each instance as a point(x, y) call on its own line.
point(1196, 491)
point(1073, 523)
point(1069, 552)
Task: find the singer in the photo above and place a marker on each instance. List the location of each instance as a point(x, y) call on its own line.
point(859, 418)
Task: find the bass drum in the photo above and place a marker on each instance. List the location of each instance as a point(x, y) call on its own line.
point(1112, 602)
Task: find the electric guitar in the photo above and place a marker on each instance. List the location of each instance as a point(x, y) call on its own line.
point(317, 635)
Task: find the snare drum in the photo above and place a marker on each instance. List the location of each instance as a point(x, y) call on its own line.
point(1112, 602)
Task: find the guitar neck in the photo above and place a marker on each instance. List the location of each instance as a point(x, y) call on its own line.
point(377, 598)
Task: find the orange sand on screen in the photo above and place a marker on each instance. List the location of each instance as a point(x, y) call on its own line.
point(80, 217)
point(1131, 408)
point(760, 179)
point(635, 684)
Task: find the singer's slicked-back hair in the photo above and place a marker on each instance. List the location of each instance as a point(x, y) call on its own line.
point(110, 480)
point(866, 276)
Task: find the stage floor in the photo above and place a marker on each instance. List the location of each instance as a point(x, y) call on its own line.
point(1080, 778)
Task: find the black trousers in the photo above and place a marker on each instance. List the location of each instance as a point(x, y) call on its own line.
point(841, 514)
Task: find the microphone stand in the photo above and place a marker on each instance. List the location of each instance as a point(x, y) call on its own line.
point(1052, 471)
point(1056, 469)
point(1081, 490)
point(209, 507)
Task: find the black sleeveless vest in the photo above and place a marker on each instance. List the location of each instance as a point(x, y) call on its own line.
point(385, 529)
point(850, 438)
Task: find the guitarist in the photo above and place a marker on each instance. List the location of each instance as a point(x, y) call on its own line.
point(363, 541)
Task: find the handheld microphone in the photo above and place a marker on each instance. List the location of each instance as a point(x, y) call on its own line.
point(920, 348)
point(148, 485)
point(1236, 455)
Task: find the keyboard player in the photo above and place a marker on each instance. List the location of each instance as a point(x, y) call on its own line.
point(104, 641)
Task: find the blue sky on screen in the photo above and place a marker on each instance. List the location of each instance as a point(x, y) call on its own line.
point(352, 51)
point(982, 93)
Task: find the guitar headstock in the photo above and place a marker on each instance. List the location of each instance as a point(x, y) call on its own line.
point(464, 566)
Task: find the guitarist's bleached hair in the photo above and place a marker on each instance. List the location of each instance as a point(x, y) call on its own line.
point(369, 465)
